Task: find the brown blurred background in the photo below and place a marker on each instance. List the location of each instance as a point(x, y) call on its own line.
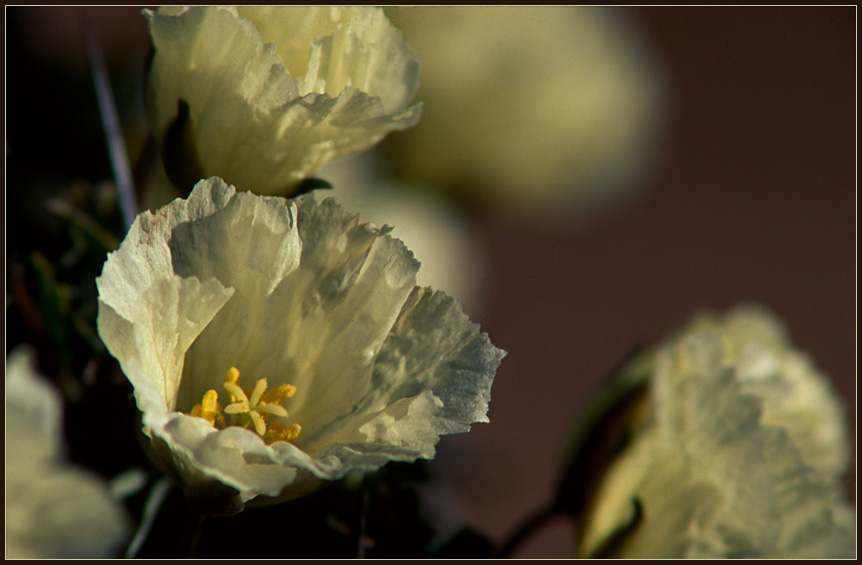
point(754, 199)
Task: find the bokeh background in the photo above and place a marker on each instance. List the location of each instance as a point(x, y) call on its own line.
point(752, 198)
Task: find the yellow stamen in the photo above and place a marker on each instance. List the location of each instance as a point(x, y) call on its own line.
point(272, 410)
point(278, 394)
point(237, 395)
point(280, 432)
point(257, 421)
point(249, 408)
point(259, 387)
point(232, 375)
point(209, 409)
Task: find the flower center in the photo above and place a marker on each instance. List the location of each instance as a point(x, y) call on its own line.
point(249, 409)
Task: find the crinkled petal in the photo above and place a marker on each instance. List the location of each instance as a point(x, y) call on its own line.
point(712, 476)
point(252, 121)
point(432, 376)
point(321, 328)
point(333, 47)
point(296, 292)
point(151, 345)
point(796, 396)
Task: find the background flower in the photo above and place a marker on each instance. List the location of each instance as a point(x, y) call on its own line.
point(544, 113)
point(381, 367)
point(53, 510)
point(265, 96)
point(737, 451)
point(440, 234)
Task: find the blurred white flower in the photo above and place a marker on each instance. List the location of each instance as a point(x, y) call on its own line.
point(53, 510)
point(736, 451)
point(274, 344)
point(265, 96)
point(548, 113)
point(453, 259)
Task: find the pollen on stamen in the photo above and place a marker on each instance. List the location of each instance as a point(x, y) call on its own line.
point(251, 408)
point(280, 432)
point(278, 394)
point(209, 409)
point(232, 375)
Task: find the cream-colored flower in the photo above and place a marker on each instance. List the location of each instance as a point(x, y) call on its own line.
point(265, 96)
point(274, 344)
point(737, 451)
point(53, 510)
point(544, 112)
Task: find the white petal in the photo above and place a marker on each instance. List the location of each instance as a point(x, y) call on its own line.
point(714, 476)
point(254, 123)
point(320, 329)
point(152, 343)
point(433, 376)
point(796, 396)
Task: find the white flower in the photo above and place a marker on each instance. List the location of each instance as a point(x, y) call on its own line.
point(343, 363)
point(737, 451)
point(542, 112)
point(53, 510)
point(265, 96)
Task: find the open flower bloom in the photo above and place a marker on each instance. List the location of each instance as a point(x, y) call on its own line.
point(265, 96)
point(53, 510)
point(736, 450)
point(274, 344)
point(546, 113)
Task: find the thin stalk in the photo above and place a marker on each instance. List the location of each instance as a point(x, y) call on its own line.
point(113, 134)
point(157, 497)
point(527, 528)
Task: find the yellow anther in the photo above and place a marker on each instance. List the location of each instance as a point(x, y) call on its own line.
point(280, 432)
point(233, 389)
point(209, 409)
point(232, 375)
point(249, 408)
point(210, 400)
point(278, 394)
